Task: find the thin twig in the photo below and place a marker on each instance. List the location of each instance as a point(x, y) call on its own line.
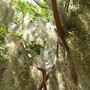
point(40, 4)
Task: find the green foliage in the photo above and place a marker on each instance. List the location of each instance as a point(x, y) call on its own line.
point(34, 46)
point(37, 48)
point(16, 20)
point(33, 11)
point(22, 7)
point(3, 51)
point(2, 30)
point(27, 37)
point(2, 34)
point(25, 7)
point(17, 34)
point(3, 47)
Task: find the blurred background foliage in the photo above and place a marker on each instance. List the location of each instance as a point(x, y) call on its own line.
point(28, 40)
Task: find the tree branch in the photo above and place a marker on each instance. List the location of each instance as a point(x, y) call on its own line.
point(39, 4)
point(44, 77)
point(59, 27)
point(47, 77)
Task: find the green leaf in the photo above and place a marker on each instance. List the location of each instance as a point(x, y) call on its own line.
point(17, 34)
point(2, 30)
point(36, 47)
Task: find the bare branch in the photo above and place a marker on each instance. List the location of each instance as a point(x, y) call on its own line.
point(40, 4)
